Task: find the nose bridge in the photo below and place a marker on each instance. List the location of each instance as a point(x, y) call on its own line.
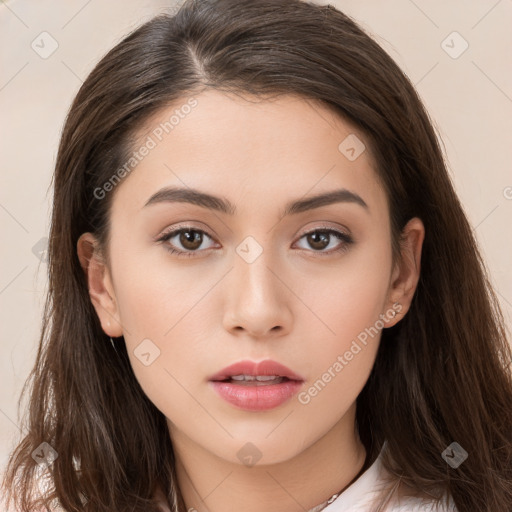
point(257, 300)
point(252, 273)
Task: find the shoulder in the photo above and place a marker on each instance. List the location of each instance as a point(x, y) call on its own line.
point(422, 504)
point(408, 500)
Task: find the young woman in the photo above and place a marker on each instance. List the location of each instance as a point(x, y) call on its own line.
point(264, 293)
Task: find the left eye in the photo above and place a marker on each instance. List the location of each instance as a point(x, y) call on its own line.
point(191, 240)
point(321, 239)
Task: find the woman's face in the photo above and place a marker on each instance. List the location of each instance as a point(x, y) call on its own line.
point(249, 282)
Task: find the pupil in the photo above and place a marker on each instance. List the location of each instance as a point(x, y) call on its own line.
point(187, 239)
point(319, 244)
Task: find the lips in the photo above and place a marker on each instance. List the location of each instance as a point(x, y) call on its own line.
point(256, 387)
point(251, 369)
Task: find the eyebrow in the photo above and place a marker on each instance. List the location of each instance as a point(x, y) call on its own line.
point(223, 205)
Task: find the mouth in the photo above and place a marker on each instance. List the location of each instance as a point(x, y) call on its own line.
point(255, 380)
point(255, 386)
point(257, 373)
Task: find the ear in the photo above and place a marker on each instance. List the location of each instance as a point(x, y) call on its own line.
point(406, 272)
point(99, 283)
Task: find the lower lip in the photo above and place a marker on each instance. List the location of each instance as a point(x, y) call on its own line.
point(256, 398)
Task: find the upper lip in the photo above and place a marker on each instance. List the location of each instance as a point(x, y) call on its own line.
point(266, 367)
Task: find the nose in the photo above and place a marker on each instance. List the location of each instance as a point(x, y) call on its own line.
point(258, 299)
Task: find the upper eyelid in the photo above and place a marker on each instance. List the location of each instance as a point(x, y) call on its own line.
point(326, 228)
point(194, 228)
point(175, 230)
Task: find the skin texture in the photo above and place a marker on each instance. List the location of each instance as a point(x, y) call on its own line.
point(292, 304)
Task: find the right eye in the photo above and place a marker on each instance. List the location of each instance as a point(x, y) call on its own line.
point(188, 237)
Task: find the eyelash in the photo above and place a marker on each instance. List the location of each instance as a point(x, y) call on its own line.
point(347, 241)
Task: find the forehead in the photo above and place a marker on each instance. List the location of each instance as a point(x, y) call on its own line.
point(252, 150)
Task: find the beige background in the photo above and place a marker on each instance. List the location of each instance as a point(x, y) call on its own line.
point(469, 98)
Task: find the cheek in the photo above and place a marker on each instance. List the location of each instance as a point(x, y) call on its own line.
point(153, 295)
point(345, 332)
point(162, 317)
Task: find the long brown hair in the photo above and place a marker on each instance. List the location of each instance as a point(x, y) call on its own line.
point(441, 374)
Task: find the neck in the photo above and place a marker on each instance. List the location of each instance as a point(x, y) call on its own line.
point(211, 484)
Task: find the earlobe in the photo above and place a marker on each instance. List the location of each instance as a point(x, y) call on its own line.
point(99, 284)
point(407, 272)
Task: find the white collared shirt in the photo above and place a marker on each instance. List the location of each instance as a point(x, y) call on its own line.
point(360, 495)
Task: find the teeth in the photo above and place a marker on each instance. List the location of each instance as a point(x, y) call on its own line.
point(260, 378)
